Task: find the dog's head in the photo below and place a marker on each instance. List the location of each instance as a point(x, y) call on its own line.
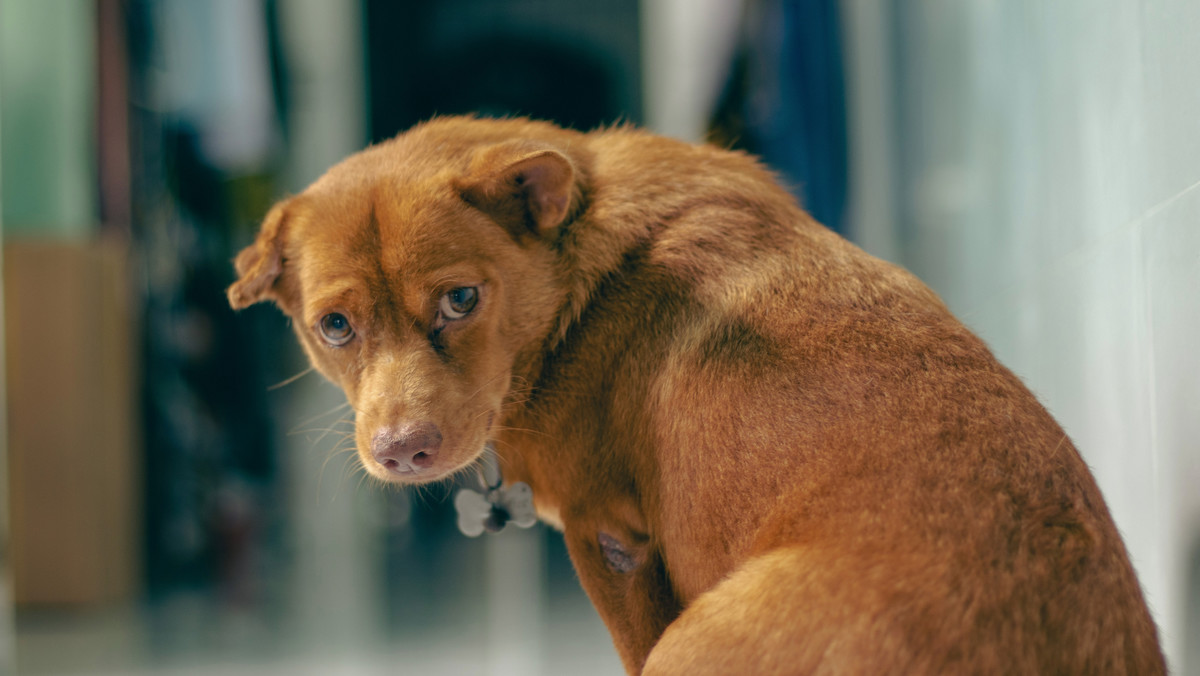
point(421, 277)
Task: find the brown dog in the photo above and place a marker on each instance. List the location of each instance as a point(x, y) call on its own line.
point(768, 452)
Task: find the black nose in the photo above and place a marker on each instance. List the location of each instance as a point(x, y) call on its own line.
point(408, 448)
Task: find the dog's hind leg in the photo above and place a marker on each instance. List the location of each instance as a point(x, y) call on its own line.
point(827, 608)
point(823, 610)
point(763, 619)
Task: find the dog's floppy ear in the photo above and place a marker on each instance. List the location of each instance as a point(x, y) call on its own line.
point(528, 188)
point(259, 265)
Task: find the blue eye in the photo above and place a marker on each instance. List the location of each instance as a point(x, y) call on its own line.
point(458, 303)
point(336, 329)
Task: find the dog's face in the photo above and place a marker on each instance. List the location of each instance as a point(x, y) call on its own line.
point(420, 281)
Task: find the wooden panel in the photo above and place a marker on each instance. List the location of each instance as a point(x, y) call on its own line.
point(73, 458)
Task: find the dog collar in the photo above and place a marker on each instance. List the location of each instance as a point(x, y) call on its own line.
point(496, 506)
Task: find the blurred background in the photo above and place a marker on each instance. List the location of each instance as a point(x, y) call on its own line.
point(173, 503)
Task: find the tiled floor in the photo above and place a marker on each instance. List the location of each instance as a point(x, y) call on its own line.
point(514, 627)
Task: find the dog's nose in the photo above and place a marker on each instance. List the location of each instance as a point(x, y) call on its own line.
point(407, 449)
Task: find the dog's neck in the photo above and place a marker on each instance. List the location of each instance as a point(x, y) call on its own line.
point(592, 248)
point(617, 220)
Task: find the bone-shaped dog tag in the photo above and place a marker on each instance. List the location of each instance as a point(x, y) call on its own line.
point(491, 511)
point(517, 500)
point(473, 512)
point(478, 513)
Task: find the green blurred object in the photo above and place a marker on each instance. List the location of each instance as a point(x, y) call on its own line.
point(47, 94)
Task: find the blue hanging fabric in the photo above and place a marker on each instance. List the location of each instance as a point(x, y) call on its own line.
point(785, 101)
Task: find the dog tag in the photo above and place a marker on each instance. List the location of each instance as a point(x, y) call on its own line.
point(491, 511)
point(518, 502)
point(473, 512)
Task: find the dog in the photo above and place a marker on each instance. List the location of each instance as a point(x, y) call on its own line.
point(767, 451)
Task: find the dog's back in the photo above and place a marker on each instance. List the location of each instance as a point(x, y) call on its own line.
point(843, 474)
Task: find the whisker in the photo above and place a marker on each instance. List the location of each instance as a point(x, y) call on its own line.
point(331, 431)
point(333, 454)
point(363, 478)
point(420, 491)
point(356, 466)
point(487, 382)
point(324, 431)
point(291, 380)
point(525, 430)
point(500, 460)
point(331, 411)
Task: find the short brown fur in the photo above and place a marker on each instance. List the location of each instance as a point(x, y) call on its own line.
point(807, 464)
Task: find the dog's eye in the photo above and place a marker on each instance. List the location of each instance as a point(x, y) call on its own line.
point(336, 329)
point(457, 303)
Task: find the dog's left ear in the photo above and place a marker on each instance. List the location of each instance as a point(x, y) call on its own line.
point(528, 188)
point(260, 264)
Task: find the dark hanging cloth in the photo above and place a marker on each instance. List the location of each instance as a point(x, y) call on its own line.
point(785, 100)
